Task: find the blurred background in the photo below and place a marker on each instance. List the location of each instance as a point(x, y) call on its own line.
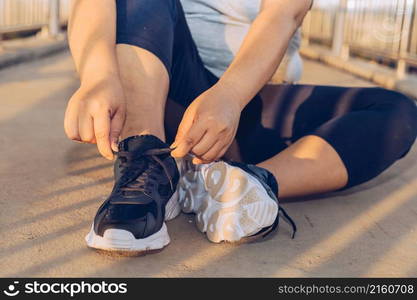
point(25, 17)
point(381, 31)
point(357, 36)
point(384, 31)
point(51, 187)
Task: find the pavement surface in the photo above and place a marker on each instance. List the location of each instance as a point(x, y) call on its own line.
point(22, 50)
point(51, 187)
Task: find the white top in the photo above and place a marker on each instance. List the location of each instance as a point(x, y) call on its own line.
point(219, 26)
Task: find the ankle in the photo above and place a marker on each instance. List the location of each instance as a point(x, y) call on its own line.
point(129, 133)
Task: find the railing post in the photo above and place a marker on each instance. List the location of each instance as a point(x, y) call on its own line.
point(306, 30)
point(339, 46)
point(402, 67)
point(54, 22)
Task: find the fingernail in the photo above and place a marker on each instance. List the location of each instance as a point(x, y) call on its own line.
point(177, 153)
point(114, 144)
point(173, 145)
point(197, 161)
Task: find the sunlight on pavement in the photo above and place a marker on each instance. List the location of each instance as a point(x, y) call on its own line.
point(325, 250)
point(407, 244)
point(33, 90)
point(50, 246)
point(206, 256)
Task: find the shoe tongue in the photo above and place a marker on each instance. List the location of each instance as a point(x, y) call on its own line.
point(136, 145)
point(141, 143)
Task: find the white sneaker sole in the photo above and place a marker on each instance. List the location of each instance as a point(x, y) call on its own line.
point(229, 203)
point(125, 243)
point(191, 189)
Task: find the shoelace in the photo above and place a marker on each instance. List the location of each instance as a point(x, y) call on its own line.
point(289, 220)
point(139, 178)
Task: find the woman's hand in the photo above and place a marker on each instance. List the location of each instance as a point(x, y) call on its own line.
point(96, 114)
point(208, 126)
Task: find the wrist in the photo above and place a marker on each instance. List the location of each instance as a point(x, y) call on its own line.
point(98, 78)
point(232, 92)
point(100, 68)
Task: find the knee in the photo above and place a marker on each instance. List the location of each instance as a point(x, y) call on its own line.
point(403, 116)
point(136, 14)
point(137, 8)
point(403, 107)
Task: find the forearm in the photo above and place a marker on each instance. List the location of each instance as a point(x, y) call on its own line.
point(263, 49)
point(92, 34)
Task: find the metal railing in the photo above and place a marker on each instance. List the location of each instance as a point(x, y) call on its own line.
point(377, 29)
point(373, 28)
point(21, 15)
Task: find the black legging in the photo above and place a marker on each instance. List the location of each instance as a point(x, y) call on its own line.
point(370, 128)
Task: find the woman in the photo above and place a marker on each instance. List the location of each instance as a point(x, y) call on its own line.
point(152, 71)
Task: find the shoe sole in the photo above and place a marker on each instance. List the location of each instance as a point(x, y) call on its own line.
point(234, 205)
point(122, 242)
point(191, 189)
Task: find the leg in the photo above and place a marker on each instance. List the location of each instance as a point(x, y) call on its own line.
point(144, 62)
point(340, 137)
point(308, 166)
point(132, 219)
point(157, 58)
point(152, 65)
point(145, 81)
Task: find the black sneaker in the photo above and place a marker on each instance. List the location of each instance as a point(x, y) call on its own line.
point(233, 202)
point(143, 197)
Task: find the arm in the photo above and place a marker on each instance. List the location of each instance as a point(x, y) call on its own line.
point(91, 34)
point(95, 113)
point(210, 123)
point(263, 48)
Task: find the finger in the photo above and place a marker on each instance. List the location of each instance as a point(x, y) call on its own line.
point(191, 138)
point(222, 152)
point(116, 127)
point(86, 128)
point(102, 134)
point(71, 122)
point(205, 144)
point(184, 127)
point(214, 153)
point(198, 161)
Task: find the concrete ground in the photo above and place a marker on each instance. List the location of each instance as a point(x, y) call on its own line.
point(51, 187)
